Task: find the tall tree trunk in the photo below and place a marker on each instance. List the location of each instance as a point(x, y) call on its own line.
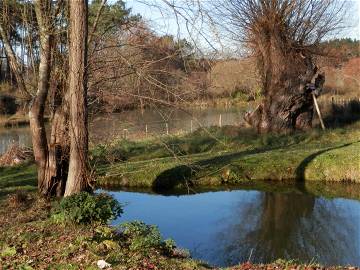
point(288, 79)
point(37, 107)
point(51, 157)
point(78, 177)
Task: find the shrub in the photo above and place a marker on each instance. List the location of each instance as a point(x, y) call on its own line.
point(141, 237)
point(84, 208)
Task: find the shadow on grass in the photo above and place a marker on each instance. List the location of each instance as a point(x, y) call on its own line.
point(300, 170)
point(183, 174)
point(342, 115)
point(22, 177)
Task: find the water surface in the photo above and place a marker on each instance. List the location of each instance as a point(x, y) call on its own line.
point(228, 227)
point(138, 124)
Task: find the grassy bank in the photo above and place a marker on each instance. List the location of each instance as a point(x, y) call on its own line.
point(231, 155)
point(32, 237)
point(21, 177)
point(216, 157)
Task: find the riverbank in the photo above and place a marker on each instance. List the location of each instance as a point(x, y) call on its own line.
point(218, 157)
point(16, 120)
point(229, 156)
point(32, 238)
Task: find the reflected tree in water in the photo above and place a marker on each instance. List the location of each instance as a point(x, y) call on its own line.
point(290, 226)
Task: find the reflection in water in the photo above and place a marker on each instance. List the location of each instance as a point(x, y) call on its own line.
point(226, 228)
point(19, 136)
point(292, 226)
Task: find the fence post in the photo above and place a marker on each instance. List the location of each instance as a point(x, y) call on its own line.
point(167, 128)
point(146, 130)
point(318, 111)
point(220, 120)
point(125, 131)
point(191, 125)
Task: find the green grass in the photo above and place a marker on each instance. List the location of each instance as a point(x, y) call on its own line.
point(212, 159)
point(22, 177)
point(216, 157)
point(231, 155)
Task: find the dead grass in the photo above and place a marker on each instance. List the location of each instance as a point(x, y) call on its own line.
point(343, 81)
point(15, 155)
point(234, 77)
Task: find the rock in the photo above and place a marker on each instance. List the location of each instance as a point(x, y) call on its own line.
point(103, 264)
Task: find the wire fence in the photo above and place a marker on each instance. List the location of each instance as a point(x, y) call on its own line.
point(168, 127)
point(183, 126)
point(142, 129)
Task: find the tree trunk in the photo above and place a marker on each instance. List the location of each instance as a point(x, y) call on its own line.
point(13, 64)
point(78, 177)
point(288, 79)
point(37, 107)
point(51, 158)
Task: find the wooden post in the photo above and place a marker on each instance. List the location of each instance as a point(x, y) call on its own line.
point(318, 112)
point(146, 130)
point(167, 128)
point(191, 125)
point(125, 131)
point(220, 121)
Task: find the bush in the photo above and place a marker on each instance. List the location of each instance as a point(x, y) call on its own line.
point(84, 208)
point(141, 237)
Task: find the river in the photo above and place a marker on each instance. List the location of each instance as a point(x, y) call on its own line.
point(228, 227)
point(138, 124)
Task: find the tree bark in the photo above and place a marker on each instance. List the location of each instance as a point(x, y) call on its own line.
point(37, 107)
point(78, 177)
point(51, 157)
point(288, 78)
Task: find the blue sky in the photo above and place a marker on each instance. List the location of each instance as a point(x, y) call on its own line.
point(164, 21)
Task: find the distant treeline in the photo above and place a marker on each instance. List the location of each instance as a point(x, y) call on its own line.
point(132, 66)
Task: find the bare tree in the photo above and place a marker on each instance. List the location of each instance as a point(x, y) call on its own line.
point(78, 176)
point(284, 35)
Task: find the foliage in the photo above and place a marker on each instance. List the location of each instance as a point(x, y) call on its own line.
point(113, 16)
point(142, 237)
point(85, 208)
